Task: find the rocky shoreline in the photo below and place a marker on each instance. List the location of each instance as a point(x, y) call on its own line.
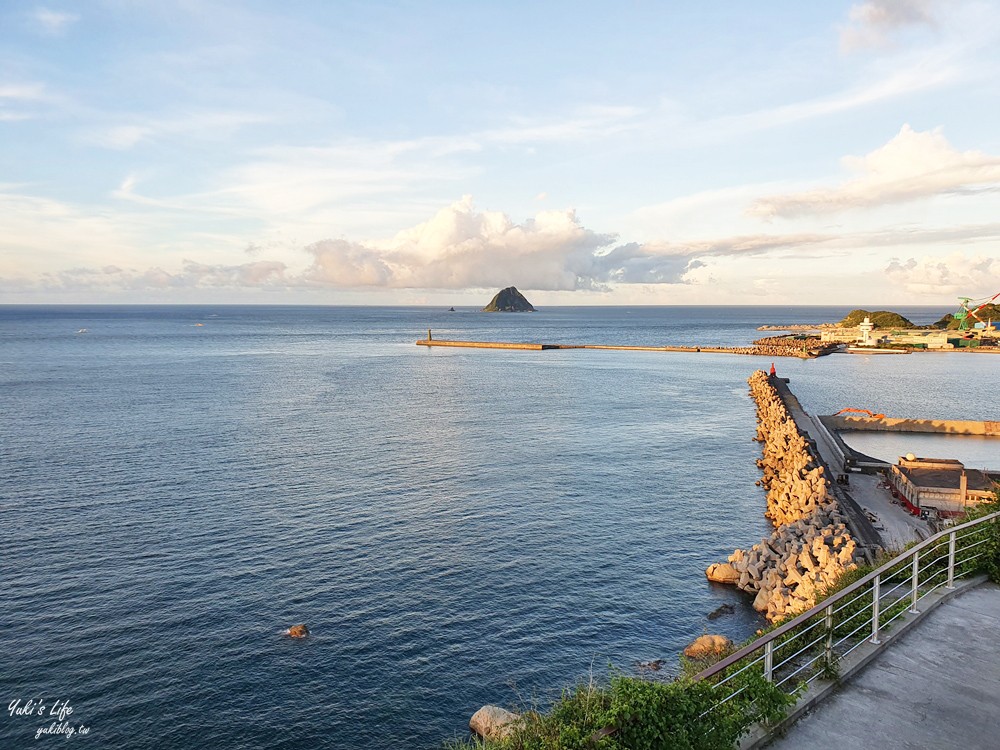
point(810, 547)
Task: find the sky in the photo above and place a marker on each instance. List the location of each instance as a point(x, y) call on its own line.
point(406, 153)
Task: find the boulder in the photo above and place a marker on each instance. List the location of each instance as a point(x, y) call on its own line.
point(707, 646)
point(722, 573)
point(493, 722)
point(298, 631)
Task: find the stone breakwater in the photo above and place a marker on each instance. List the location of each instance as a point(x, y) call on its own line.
point(808, 344)
point(810, 547)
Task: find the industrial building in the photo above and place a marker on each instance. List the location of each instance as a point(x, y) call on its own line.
point(940, 486)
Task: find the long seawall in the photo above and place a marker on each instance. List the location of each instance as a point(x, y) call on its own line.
point(755, 350)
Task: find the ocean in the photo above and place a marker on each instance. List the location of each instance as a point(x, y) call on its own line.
point(457, 527)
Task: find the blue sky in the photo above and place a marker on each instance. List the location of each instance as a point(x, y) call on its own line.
point(430, 153)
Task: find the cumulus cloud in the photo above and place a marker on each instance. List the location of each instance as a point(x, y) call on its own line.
point(872, 23)
point(912, 165)
point(462, 248)
point(956, 274)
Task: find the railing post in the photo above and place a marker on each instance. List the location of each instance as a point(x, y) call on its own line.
point(875, 606)
point(951, 561)
point(914, 592)
point(768, 661)
point(828, 646)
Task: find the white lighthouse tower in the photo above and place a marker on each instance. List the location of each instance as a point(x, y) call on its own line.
point(865, 328)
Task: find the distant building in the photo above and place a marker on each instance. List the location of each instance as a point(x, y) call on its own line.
point(919, 338)
point(940, 485)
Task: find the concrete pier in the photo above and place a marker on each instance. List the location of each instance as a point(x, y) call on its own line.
point(890, 424)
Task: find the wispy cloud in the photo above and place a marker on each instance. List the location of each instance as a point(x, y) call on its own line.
point(203, 125)
point(912, 165)
point(585, 124)
point(22, 91)
point(920, 76)
point(19, 96)
point(54, 22)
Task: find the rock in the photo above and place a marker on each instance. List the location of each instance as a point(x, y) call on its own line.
point(493, 722)
point(725, 609)
point(298, 631)
point(707, 646)
point(722, 573)
point(653, 665)
point(509, 300)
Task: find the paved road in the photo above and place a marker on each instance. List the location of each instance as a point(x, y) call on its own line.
point(898, 528)
point(935, 688)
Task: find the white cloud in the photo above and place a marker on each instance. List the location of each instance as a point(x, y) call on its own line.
point(54, 22)
point(912, 165)
point(873, 22)
point(956, 274)
point(461, 248)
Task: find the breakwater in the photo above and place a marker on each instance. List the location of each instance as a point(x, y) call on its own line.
point(803, 343)
point(759, 350)
point(811, 545)
point(932, 426)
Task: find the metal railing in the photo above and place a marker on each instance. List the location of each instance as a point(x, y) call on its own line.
point(810, 645)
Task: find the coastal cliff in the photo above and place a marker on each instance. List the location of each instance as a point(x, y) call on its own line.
point(810, 547)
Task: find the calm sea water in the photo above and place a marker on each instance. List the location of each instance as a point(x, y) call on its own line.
point(457, 527)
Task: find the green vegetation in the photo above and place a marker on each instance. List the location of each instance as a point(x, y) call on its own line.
point(987, 313)
point(989, 563)
point(638, 714)
point(881, 319)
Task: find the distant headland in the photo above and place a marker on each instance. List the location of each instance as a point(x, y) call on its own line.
point(509, 300)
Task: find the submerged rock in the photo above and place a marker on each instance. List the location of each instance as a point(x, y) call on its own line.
point(725, 609)
point(493, 722)
point(509, 300)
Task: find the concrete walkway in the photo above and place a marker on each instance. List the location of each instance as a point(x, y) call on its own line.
point(936, 688)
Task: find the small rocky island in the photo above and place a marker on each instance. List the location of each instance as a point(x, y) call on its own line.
point(509, 300)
